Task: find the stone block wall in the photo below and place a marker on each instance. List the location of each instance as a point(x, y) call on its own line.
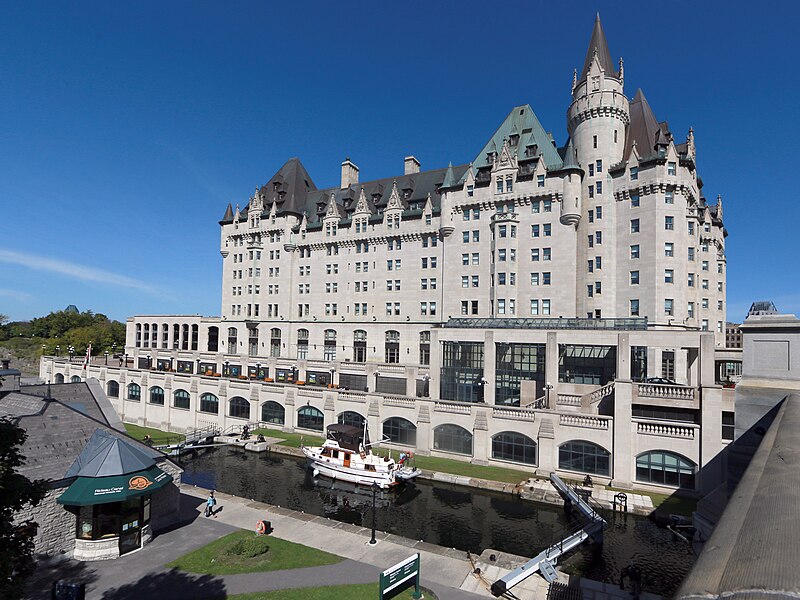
point(165, 503)
point(56, 533)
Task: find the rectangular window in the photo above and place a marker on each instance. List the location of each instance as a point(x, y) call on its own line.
point(535, 206)
point(547, 229)
point(476, 236)
point(668, 307)
point(591, 169)
point(599, 211)
point(690, 254)
point(704, 265)
point(465, 259)
point(669, 276)
point(546, 278)
point(534, 279)
point(690, 279)
point(475, 281)
point(501, 255)
point(599, 187)
point(669, 249)
point(669, 198)
point(534, 254)
point(499, 185)
point(545, 307)
point(598, 237)
point(591, 191)
point(635, 307)
point(465, 237)
point(501, 279)
point(590, 266)
point(669, 223)
point(502, 230)
point(704, 325)
point(634, 277)
point(464, 281)
point(535, 231)
point(598, 287)
point(501, 307)
point(690, 226)
point(590, 290)
point(634, 225)
point(671, 168)
point(634, 175)
point(547, 206)
point(540, 181)
point(546, 254)
point(591, 216)
point(476, 258)
point(634, 200)
point(598, 262)
point(534, 307)
point(690, 310)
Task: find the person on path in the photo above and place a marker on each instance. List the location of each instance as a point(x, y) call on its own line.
point(210, 504)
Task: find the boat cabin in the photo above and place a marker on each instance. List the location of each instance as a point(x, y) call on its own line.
point(348, 437)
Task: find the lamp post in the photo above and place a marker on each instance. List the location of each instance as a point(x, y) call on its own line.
point(197, 360)
point(333, 372)
point(113, 348)
point(258, 370)
point(149, 362)
point(71, 351)
point(482, 382)
point(44, 348)
point(426, 382)
point(377, 374)
point(294, 373)
point(547, 387)
point(126, 360)
point(58, 350)
point(227, 372)
point(106, 353)
point(372, 540)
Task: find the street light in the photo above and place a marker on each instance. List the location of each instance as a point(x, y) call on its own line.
point(44, 347)
point(58, 350)
point(377, 374)
point(375, 488)
point(482, 382)
point(71, 351)
point(227, 372)
point(426, 382)
point(258, 370)
point(106, 353)
point(333, 372)
point(547, 387)
point(294, 373)
point(149, 362)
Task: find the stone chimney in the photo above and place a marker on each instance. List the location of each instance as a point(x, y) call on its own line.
point(349, 173)
point(411, 165)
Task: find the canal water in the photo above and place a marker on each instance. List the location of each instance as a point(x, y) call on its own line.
point(449, 515)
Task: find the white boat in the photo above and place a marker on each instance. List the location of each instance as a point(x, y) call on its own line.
point(346, 456)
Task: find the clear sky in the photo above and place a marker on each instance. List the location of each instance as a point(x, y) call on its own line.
point(126, 128)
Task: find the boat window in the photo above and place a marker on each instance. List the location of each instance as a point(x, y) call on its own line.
point(369, 467)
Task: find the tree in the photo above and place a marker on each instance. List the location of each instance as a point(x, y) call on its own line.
point(16, 491)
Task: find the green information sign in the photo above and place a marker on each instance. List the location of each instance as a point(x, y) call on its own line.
point(399, 577)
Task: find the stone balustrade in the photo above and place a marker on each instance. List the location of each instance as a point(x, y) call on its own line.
point(583, 421)
point(665, 429)
point(402, 401)
point(353, 396)
point(599, 394)
point(658, 390)
point(452, 407)
point(569, 399)
point(516, 414)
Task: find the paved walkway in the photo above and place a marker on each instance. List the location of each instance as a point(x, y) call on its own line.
point(141, 575)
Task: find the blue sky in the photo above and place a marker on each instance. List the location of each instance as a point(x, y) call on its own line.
point(126, 128)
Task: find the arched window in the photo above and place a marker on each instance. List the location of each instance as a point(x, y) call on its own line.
point(138, 335)
point(232, 339)
point(272, 412)
point(239, 407)
point(181, 399)
point(330, 345)
point(349, 417)
point(134, 392)
point(154, 340)
point(424, 347)
point(209, 403)
point(359, 346)
point(513, 446)
point(274, 342)
point(452, 438)
point(585, 457)
point(157, 395)
point(195, 336)
point(75, 379)
point(665, 468)
point(185, 336)
point(302, 343)
point(309, 417)
point(112, 389)
point(392, 346)
point(59, 378)
point(400, 431)
point(164, 336)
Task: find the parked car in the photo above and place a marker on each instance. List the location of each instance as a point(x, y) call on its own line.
point(660, 380)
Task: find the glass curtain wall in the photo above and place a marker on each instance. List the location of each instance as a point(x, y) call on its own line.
point(461, 371)
point(594, 365)
point(514, 363)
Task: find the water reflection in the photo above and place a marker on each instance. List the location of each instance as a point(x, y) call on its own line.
point(448, 515)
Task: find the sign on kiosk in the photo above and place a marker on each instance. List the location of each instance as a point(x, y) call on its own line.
point(399, 577)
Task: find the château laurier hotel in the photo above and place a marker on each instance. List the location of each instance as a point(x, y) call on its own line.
point(505, 311)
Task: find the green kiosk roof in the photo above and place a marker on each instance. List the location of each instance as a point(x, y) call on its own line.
point(85, 491)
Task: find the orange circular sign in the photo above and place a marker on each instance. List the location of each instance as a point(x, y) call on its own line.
point(140, 482)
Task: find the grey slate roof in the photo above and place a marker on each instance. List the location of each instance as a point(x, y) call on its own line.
point(644, 129)
point(598, 42)
point(61, 428)
point(570, 159)
point(107, 454)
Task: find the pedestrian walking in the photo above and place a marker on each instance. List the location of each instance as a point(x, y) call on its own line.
point(210, 504)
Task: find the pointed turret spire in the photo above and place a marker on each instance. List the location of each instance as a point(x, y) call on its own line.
point(570, 160)
point(449, 177)
point(228, 213)
point(598, 46)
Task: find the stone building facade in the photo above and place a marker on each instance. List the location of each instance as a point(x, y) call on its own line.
point(506, 311)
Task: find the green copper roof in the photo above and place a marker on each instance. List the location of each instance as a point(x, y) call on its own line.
point(523, 122)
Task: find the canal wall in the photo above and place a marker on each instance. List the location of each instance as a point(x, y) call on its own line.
point(534, 489)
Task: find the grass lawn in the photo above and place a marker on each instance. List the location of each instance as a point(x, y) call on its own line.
point(291, 440)
point(456, 467)
point(159, 437)
point(243, 552)
point(368, 591)
point(679, 505)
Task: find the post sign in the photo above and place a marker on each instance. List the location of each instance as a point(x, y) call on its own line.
point(399, 577)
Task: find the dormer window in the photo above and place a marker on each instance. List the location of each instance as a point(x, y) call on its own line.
point(499, 185)
point(509, 183)
point(634, 173)
point(513, 140)
point(470, 190)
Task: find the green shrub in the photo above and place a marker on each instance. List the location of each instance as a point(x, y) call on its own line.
point(249, 548)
